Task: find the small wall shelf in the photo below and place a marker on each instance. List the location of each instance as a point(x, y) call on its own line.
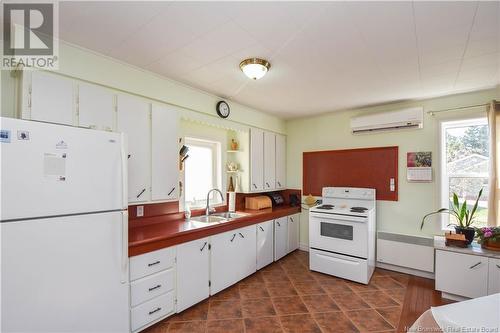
point(234, 151)
point(237, 171)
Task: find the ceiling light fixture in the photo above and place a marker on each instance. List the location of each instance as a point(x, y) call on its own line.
point(255, 68)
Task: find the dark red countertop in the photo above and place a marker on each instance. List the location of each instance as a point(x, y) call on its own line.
point(172, 232)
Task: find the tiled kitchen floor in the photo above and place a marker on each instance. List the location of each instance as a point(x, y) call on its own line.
point(286, 297)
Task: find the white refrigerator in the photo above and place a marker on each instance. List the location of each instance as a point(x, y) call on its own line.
point(64, 229)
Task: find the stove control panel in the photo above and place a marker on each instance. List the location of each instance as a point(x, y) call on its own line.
point(349, 193)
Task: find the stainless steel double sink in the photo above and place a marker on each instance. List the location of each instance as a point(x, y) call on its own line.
point(218, 217)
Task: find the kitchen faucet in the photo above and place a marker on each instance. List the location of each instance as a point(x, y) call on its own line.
point(209, 210)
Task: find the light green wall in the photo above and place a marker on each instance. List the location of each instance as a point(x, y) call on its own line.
point(332, 131)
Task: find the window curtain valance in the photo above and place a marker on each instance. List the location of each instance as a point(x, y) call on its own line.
point(493, 184)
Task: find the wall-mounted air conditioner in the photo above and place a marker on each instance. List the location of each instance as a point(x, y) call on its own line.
point(394, 120)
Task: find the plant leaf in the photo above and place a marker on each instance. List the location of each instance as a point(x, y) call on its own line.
point(439, 211)
point(462, 213)
point(456, 204)
point(475, 205)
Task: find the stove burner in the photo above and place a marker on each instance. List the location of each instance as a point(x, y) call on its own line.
point(358, 209)
point(325, 207)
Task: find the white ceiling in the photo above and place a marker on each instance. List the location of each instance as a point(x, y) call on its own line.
point(325, 56)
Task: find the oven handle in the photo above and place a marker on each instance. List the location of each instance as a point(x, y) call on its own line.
point(344, 261)
point(340, 218)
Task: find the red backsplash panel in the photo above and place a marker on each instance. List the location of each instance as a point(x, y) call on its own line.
point(155, 209)
point(365, 167)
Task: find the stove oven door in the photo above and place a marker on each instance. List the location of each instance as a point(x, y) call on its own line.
point(337, 233)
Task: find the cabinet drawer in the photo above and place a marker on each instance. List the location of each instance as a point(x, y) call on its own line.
point(151, 286)
point(152, 262)
point(494, 276)
point(152, 310)
point(461, 274)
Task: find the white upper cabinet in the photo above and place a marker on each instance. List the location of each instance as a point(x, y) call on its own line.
point(96, 107)
point(165, 152)
point(293, 232)
point(269, 161)
point(256, 160)
point(51, 98)
point(133, 118)
point(192, 273)
point(280, 161)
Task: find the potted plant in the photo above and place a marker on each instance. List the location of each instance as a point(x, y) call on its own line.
point(464, 217)
point(489, 237)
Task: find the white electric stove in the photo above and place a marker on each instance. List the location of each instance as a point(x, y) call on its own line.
point(342, 233)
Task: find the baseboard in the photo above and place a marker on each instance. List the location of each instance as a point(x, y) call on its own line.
point(304, 247)
point(405, 270)
point(453, 297)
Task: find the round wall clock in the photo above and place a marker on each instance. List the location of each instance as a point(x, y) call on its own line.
point(223, 109)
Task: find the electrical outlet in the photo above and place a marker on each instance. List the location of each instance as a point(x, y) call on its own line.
point(140, 211)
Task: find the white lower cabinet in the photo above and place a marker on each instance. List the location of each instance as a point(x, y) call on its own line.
point(152, 287)
point(293, 232)
point(233, 257)
point(461, 274)
point(265, 251)
point(493, 276)
point(151, 311)
point(173, 279)
point(151, 262)
point(192, 273)
point(280, 237)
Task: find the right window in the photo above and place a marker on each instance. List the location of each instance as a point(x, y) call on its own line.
point(465, 161)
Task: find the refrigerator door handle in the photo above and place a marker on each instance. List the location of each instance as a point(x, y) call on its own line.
point(125, 157)
point(124, 248)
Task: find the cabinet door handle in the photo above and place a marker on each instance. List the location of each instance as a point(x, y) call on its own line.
point(154, 263)
point(155, 287)
point(128, 156)
point(171, 191)
point(262, 229)
point(232, 239)
point(143, 190)
point(475, 265)
point(267, 184)
point(155, 310)
point(279, 225)
point(255, 186)
point(279, 184)
point(241, 235)
point(498, 266)
point(291, 219)
point(203, 247)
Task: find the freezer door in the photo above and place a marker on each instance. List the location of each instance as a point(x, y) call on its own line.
point(65, 274)
point(52, 170)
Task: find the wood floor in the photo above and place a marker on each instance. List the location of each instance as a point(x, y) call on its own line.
point(420, 296)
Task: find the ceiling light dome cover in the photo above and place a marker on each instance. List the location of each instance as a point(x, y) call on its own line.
point(255, 68)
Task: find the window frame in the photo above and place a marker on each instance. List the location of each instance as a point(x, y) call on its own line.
point(217, 175)
point(444, 124)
